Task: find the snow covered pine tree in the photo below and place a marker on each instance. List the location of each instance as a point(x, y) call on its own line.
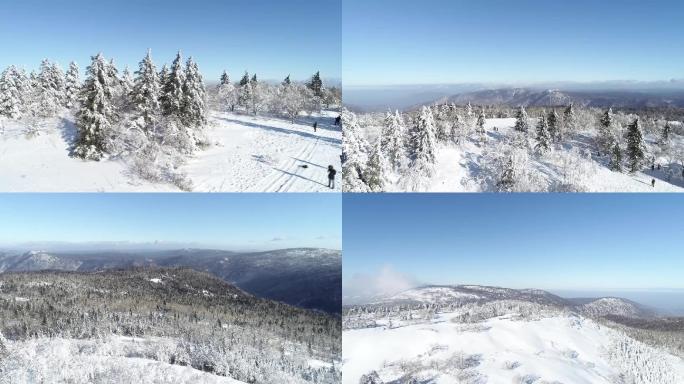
point(93, 120)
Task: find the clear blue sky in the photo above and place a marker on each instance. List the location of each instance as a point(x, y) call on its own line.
point(271, 38)
point(455, 41)
point(230, 221)
point(546, 241)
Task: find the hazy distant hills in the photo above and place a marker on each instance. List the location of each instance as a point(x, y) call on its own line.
point(515, 97)
point(624, 94)
point(306, 277)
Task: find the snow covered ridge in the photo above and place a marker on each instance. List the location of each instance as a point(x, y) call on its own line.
point(442, 334)
point(450, 294)
point(476, 301)
point(164, 131)
point(461, 148)
point(168, 325)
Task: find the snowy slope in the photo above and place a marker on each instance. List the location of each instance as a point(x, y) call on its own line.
point(458, 168)
point(455, 171)
point(562, 348)
point(247, 154)
point(42, 164)
point(256, 154)
point(115, 359)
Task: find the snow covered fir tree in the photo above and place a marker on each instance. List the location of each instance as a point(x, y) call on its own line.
point(162, 128)
point(448, 147)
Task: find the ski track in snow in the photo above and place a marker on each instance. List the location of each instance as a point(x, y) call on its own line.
point(258, 154)
point(247, 154)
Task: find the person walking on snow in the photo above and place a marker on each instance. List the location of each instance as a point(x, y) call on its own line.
point(315, 125)
point(331, 176)
point(652, 183)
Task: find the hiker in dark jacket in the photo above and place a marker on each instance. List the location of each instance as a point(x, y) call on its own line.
point(331, 176)
point(315, 125)
point(338, 120)
point(652, 183)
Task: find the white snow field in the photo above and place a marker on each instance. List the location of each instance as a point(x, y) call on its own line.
point(116, 359)
point(246, 154)
point(459, 168)
point(557, 349)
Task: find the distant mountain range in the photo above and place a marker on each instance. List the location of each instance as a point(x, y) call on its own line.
point(626, 94)
point(449, 295)
point(515, 97)
point(305, 277)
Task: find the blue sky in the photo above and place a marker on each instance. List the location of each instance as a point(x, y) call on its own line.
point(546, 241)
point(271, 38)
point(230, 221)
point(453, 41)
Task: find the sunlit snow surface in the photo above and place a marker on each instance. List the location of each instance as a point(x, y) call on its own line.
point(247, 154)
point(560, 349)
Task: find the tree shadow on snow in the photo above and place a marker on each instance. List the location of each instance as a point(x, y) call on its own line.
point(262, 159)
point(662, 174)
point(300, 176)
point(324, 122)
point(69, 133)
point(283, 130)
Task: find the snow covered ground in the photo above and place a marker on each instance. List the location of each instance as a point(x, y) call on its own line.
point(116, 359)
point(459, 168)
point(247, 154)
point(558, 349)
